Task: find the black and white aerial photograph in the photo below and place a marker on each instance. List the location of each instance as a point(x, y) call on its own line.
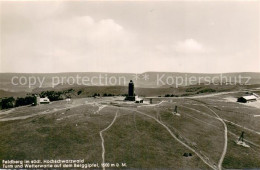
point(129, 85)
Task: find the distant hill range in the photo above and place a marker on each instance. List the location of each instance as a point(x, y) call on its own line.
point(144, 80)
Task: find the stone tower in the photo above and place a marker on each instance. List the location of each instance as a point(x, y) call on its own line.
point(131, 91)
point(131, 88)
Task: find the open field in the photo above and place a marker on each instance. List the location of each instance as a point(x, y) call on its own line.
point(140, 135)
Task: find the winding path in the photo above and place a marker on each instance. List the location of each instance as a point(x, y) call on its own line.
point(188, 115)
point(102, 139)
point(225, 136)
point(225, 120)
point(184, 144)
point(225, 131)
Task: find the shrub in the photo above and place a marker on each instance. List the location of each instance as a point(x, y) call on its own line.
point(7, 103)
point(208, 90)
point(79, 92)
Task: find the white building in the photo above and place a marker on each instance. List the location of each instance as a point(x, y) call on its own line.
point(246, 99)
point(44, 100)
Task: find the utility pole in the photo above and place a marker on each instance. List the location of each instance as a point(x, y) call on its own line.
point(241, 138)
point(175, 110)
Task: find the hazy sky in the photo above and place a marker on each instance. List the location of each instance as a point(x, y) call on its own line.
point(80, 36)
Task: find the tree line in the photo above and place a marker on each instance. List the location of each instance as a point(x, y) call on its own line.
point(11, 102)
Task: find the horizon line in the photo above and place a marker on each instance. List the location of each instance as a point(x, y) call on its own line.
point(127, 72)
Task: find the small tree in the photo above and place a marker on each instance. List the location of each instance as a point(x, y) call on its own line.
point(79, 92)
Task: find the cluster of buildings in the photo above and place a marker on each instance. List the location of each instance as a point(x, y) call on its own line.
point(249, 97)
point(130, 97)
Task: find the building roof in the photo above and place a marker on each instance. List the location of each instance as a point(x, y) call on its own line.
point(45, 99)
point(249, 97)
